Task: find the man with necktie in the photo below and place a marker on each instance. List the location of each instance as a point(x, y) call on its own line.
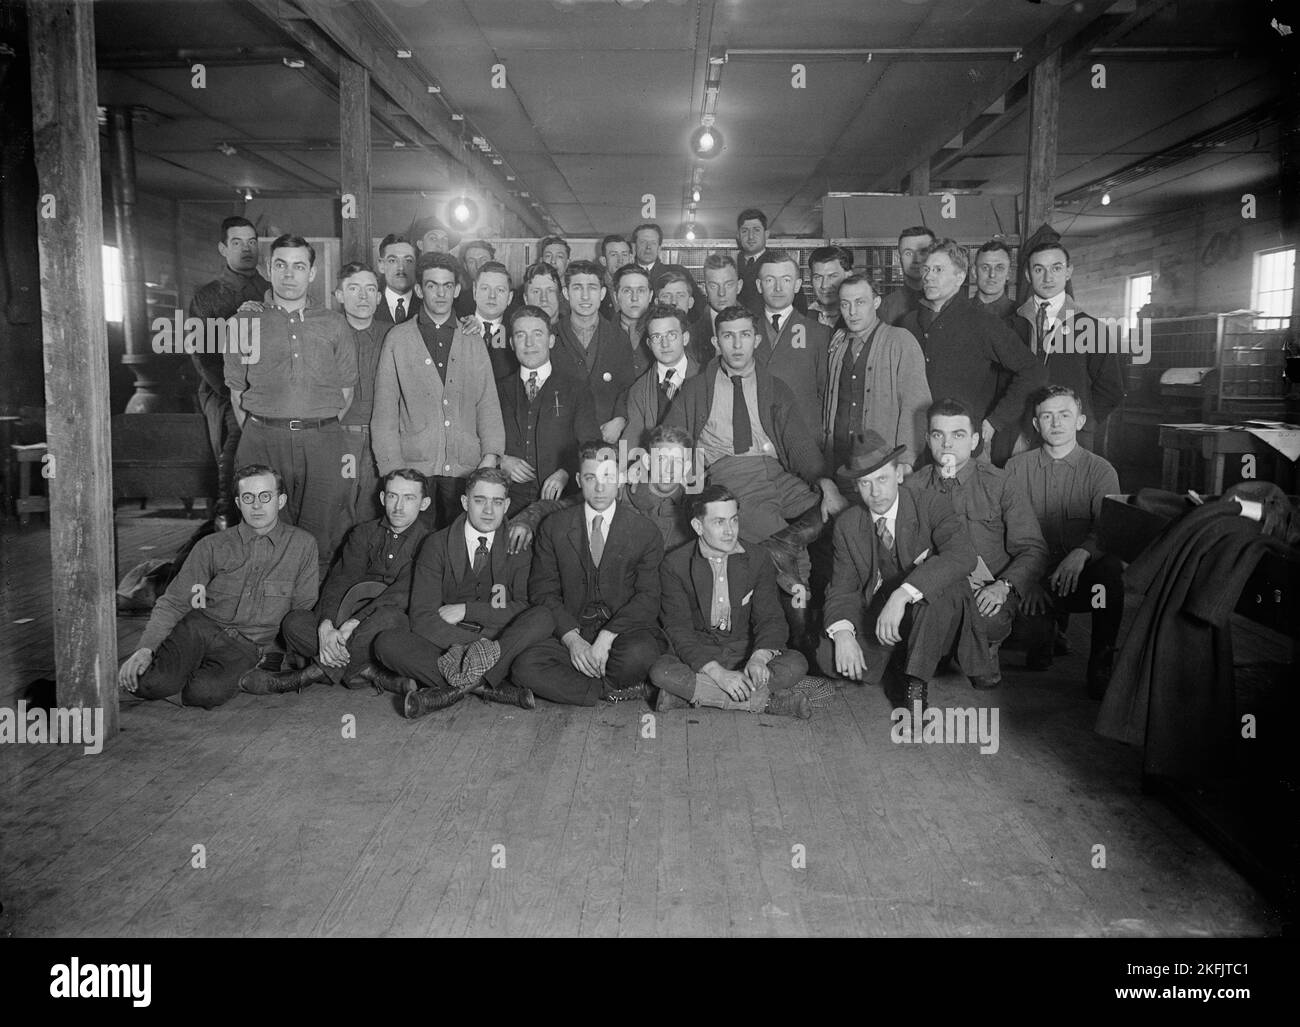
point(398, 303)
point(469, 612)
point(1073, 348)
point(546, 411)
point(492, 294)
point(898, 594)
point(650, 395)
point(596, 570)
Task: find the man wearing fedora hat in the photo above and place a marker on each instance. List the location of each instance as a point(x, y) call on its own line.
point(898, 591)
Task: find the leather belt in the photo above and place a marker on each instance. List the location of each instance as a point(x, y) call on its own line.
point(294, 423)
point(361, 429)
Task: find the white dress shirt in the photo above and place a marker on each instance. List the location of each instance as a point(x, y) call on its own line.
point(606, 518)
point(783, 315)
point(678, 369)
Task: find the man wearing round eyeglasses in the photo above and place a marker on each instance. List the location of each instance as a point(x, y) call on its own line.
point(397, 266)
point(224, 607)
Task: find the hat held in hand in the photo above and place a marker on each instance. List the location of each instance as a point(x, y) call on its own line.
point(870, 453)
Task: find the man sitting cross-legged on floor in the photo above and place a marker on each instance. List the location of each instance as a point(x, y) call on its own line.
point(596, 569)
point(1009, 547)
point(226, 603)
point(898, 589)
point(336, 636)
point(723, 618)
point(469, 612)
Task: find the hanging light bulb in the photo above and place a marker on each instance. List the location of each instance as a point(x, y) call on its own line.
point(1105, 199)
point(706, 141)
point(695, 196)
point(690, 233)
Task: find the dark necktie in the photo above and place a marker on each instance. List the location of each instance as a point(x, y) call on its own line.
point(742, 436)
point(882, 532)
point(665, 391)
point(480, 556)
point(532, 387)
point(1040, 326)
point(492, 337)
point(776, 324)
point(597, 539)
point(400, 316)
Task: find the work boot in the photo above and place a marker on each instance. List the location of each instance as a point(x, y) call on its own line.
point(786, 545)
point(267, 682)
point(511, 695)
point(1100, 663)
point(789, 703)
point(382, 680)
point(429, 700)
point(991, 680)
point(916, 691)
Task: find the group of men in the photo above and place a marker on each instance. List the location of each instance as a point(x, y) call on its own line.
point(606, 482)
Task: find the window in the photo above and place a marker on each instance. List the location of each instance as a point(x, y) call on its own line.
point(113, 291)
point(1139, 295)
point(1273, 286)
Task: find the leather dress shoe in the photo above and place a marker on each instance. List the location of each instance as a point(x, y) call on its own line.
point(429, 700)
point(259, 681)
point(916, 691)
point(511, 695)
point(382, 680)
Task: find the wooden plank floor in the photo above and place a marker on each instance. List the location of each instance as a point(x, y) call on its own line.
point(595, 826)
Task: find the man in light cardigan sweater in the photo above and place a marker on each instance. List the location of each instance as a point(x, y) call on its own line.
point(436, 407)
point(875, 380)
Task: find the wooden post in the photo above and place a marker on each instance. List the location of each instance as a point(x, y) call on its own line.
point(918, 182)
point(70, 226)
point(1040, 163)
point(354, 153)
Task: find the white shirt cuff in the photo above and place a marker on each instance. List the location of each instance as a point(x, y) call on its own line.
point(841, 625)
point(912, 591)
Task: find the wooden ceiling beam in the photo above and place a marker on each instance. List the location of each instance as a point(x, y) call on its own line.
point(348, 34)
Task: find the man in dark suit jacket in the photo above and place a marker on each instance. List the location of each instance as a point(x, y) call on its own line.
point(795, 345)
point(592, 349)
point(1073, 348)
point(546, 411)
point(751, 237)
point(968, 355)
point(721, 612)
point(596, 569)
point(648, 399)
point(397, 300)
point(898, 589)
point(469, 612)
point(491, 298)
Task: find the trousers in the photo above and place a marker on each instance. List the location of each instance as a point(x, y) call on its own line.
point(547, 670)
point(672, 675)
point(200, 660)
point(223, 435)
point(414, 656)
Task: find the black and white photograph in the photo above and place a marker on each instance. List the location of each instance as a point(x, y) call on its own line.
point(650, 469)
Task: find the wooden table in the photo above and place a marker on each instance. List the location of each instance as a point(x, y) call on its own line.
point(1212, 446)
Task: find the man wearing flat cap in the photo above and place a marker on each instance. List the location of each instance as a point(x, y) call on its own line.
point(898, 593)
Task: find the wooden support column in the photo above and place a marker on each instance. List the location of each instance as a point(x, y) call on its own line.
point(918, 182)
point(66, 137)
point(354, 153)
point(1040, 164)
